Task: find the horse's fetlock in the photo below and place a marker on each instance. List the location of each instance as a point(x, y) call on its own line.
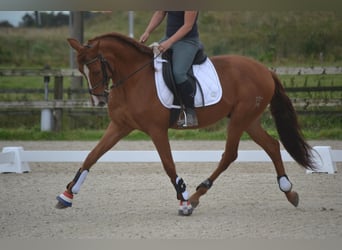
point(70, 185)
point(75, 185)
point(284, 183)
point(180, 187)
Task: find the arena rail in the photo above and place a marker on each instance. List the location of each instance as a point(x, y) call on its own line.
point(16, 159)
point(52, 110)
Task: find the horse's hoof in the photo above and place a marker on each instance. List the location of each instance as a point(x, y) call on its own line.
point(293, 198)
point(185, 208)
point(60, 205)
point(64, 200)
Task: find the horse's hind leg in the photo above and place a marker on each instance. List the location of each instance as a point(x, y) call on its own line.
point(272, 148)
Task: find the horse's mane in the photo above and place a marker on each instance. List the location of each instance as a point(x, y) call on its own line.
point(127, 40)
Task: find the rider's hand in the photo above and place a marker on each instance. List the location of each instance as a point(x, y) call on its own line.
point(144, 37)
point(164, 46)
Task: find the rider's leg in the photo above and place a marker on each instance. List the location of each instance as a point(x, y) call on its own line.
point(183, 55)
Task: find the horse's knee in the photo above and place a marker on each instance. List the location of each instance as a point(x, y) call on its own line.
point(227, 159)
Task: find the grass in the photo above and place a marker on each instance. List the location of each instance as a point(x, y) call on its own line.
point(95, 135)
point(314, 127)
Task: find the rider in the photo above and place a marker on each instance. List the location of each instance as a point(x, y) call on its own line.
point(183, 38)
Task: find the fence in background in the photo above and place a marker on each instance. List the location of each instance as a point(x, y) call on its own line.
point(52, 110)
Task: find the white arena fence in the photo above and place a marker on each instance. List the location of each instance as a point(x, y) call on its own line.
point(16, 159)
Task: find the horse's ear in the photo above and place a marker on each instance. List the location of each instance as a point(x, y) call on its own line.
point(75, 44)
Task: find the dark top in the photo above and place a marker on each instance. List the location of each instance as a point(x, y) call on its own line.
point(175, 20)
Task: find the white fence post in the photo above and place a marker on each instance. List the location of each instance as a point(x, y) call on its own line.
point(324, 160)
point(11, 161)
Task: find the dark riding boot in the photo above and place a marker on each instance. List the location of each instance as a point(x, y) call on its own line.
point(188, 117)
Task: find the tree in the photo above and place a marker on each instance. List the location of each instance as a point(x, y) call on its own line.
point(5, 24)
point(28, 20)
point(44, 19)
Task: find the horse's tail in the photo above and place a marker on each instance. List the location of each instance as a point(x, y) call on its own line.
point(288, 127)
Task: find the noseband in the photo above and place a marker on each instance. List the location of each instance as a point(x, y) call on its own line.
point(105, 77)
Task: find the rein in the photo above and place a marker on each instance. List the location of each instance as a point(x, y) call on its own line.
point(122, 81)
point(105, 79)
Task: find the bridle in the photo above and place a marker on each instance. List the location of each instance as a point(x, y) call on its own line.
point(105, 78)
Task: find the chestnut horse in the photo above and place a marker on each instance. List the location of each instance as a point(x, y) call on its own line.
point(247, 89)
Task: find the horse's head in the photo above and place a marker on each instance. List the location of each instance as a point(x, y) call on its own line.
point(95, 69)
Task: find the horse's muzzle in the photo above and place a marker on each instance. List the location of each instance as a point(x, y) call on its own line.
point(100, 101)
point(103, 100)
point(101, 104)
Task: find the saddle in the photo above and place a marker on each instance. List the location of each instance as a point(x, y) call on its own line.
point(171, 84)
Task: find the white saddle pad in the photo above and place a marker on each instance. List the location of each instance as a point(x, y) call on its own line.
point(206, 76)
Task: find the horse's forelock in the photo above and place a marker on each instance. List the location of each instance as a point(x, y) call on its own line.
point(84, 55)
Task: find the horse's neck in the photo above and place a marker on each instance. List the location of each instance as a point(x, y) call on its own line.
point(128, 62)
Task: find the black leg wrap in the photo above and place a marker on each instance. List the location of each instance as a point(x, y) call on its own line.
point(77, 175)
point(205, 184)
point(180, 186)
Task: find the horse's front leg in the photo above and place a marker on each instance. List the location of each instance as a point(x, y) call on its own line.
point(112, 135)
point(161, 141)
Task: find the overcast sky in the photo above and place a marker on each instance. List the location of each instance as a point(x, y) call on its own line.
point(13, 17)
